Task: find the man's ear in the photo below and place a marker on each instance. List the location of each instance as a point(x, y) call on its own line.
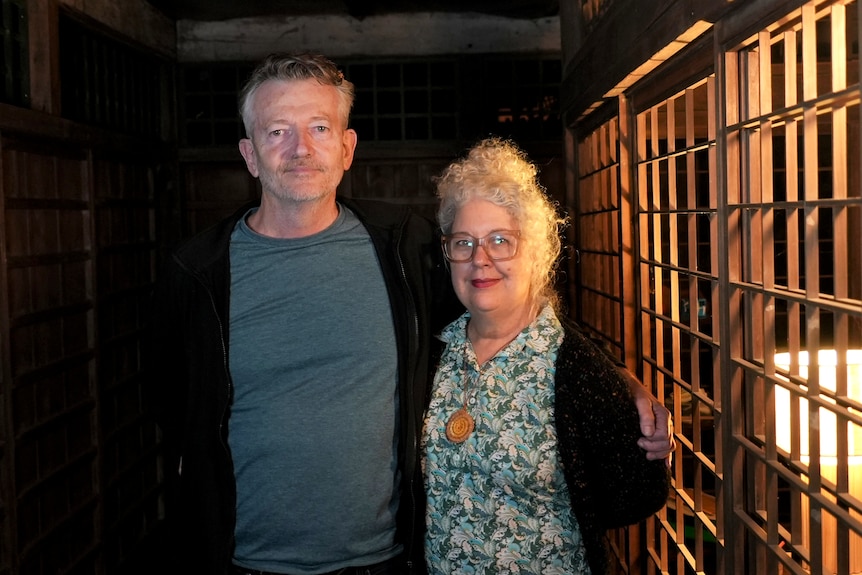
point(348, 143)
point(246, 148)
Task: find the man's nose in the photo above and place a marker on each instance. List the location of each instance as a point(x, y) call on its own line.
point(302, 144)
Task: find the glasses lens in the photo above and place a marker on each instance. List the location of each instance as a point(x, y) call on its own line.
point(500, 246)
point(459, 248)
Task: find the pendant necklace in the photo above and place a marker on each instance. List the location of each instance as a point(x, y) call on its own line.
point(461, 423)
point(460, 426)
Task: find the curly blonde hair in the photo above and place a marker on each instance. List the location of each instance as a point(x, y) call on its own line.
point(498, 171)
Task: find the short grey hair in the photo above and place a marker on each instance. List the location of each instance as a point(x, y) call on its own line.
point(288, 67)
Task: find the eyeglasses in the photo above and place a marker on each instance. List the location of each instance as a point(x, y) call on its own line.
point(500, 245)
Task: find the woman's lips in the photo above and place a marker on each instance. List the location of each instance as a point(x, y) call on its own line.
point(484, 282)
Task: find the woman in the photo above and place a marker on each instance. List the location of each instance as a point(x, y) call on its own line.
point(530, 439)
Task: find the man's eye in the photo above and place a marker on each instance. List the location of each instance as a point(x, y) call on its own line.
point(277, 132)
point(321, 129)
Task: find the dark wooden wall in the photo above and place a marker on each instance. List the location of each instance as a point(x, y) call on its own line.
point(80, 479)
point(94, 190)
point(214, 184)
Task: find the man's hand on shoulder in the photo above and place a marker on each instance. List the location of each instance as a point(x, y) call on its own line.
point(655, 421)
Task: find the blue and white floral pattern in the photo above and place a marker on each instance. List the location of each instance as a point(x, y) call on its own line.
point(498, 502)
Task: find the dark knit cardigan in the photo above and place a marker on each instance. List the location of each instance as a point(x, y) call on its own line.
point(611, 483)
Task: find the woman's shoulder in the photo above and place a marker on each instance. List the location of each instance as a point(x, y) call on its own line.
point(580, 357)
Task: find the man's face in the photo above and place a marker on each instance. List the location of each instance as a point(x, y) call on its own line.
point(299, 147)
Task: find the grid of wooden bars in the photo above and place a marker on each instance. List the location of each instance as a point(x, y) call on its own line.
point(406, 100)
point(208, 104)
point(795, 291)
point(604, 269)
point(678, 269)
point(748, 227)
point(399, 99)
point(599, 259)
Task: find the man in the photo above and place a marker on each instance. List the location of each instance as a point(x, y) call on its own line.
point(294, 342)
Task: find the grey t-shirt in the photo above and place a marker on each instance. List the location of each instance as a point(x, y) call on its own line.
point(314, 417)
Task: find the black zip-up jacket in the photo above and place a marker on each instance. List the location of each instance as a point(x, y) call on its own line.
point(193, 390)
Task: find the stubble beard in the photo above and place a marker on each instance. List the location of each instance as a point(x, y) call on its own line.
point(283, 185)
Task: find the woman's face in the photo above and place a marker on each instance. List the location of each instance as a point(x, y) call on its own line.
point(487, 287)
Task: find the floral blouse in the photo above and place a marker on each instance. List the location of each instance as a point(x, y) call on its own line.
point(498, 501)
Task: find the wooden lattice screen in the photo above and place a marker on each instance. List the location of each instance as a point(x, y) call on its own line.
point(747, 230)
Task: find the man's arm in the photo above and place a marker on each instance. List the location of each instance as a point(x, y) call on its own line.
point(655, 420)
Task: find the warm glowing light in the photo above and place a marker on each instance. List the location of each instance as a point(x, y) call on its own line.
point(827, 362)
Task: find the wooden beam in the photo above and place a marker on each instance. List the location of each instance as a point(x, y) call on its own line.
point(625, 38)
point(44, 39)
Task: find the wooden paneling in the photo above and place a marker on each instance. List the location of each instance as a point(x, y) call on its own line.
point(212, 191)
point(52, 390)
point(80, 481)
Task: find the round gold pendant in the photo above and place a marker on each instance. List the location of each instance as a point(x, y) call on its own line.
point(460, 426)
